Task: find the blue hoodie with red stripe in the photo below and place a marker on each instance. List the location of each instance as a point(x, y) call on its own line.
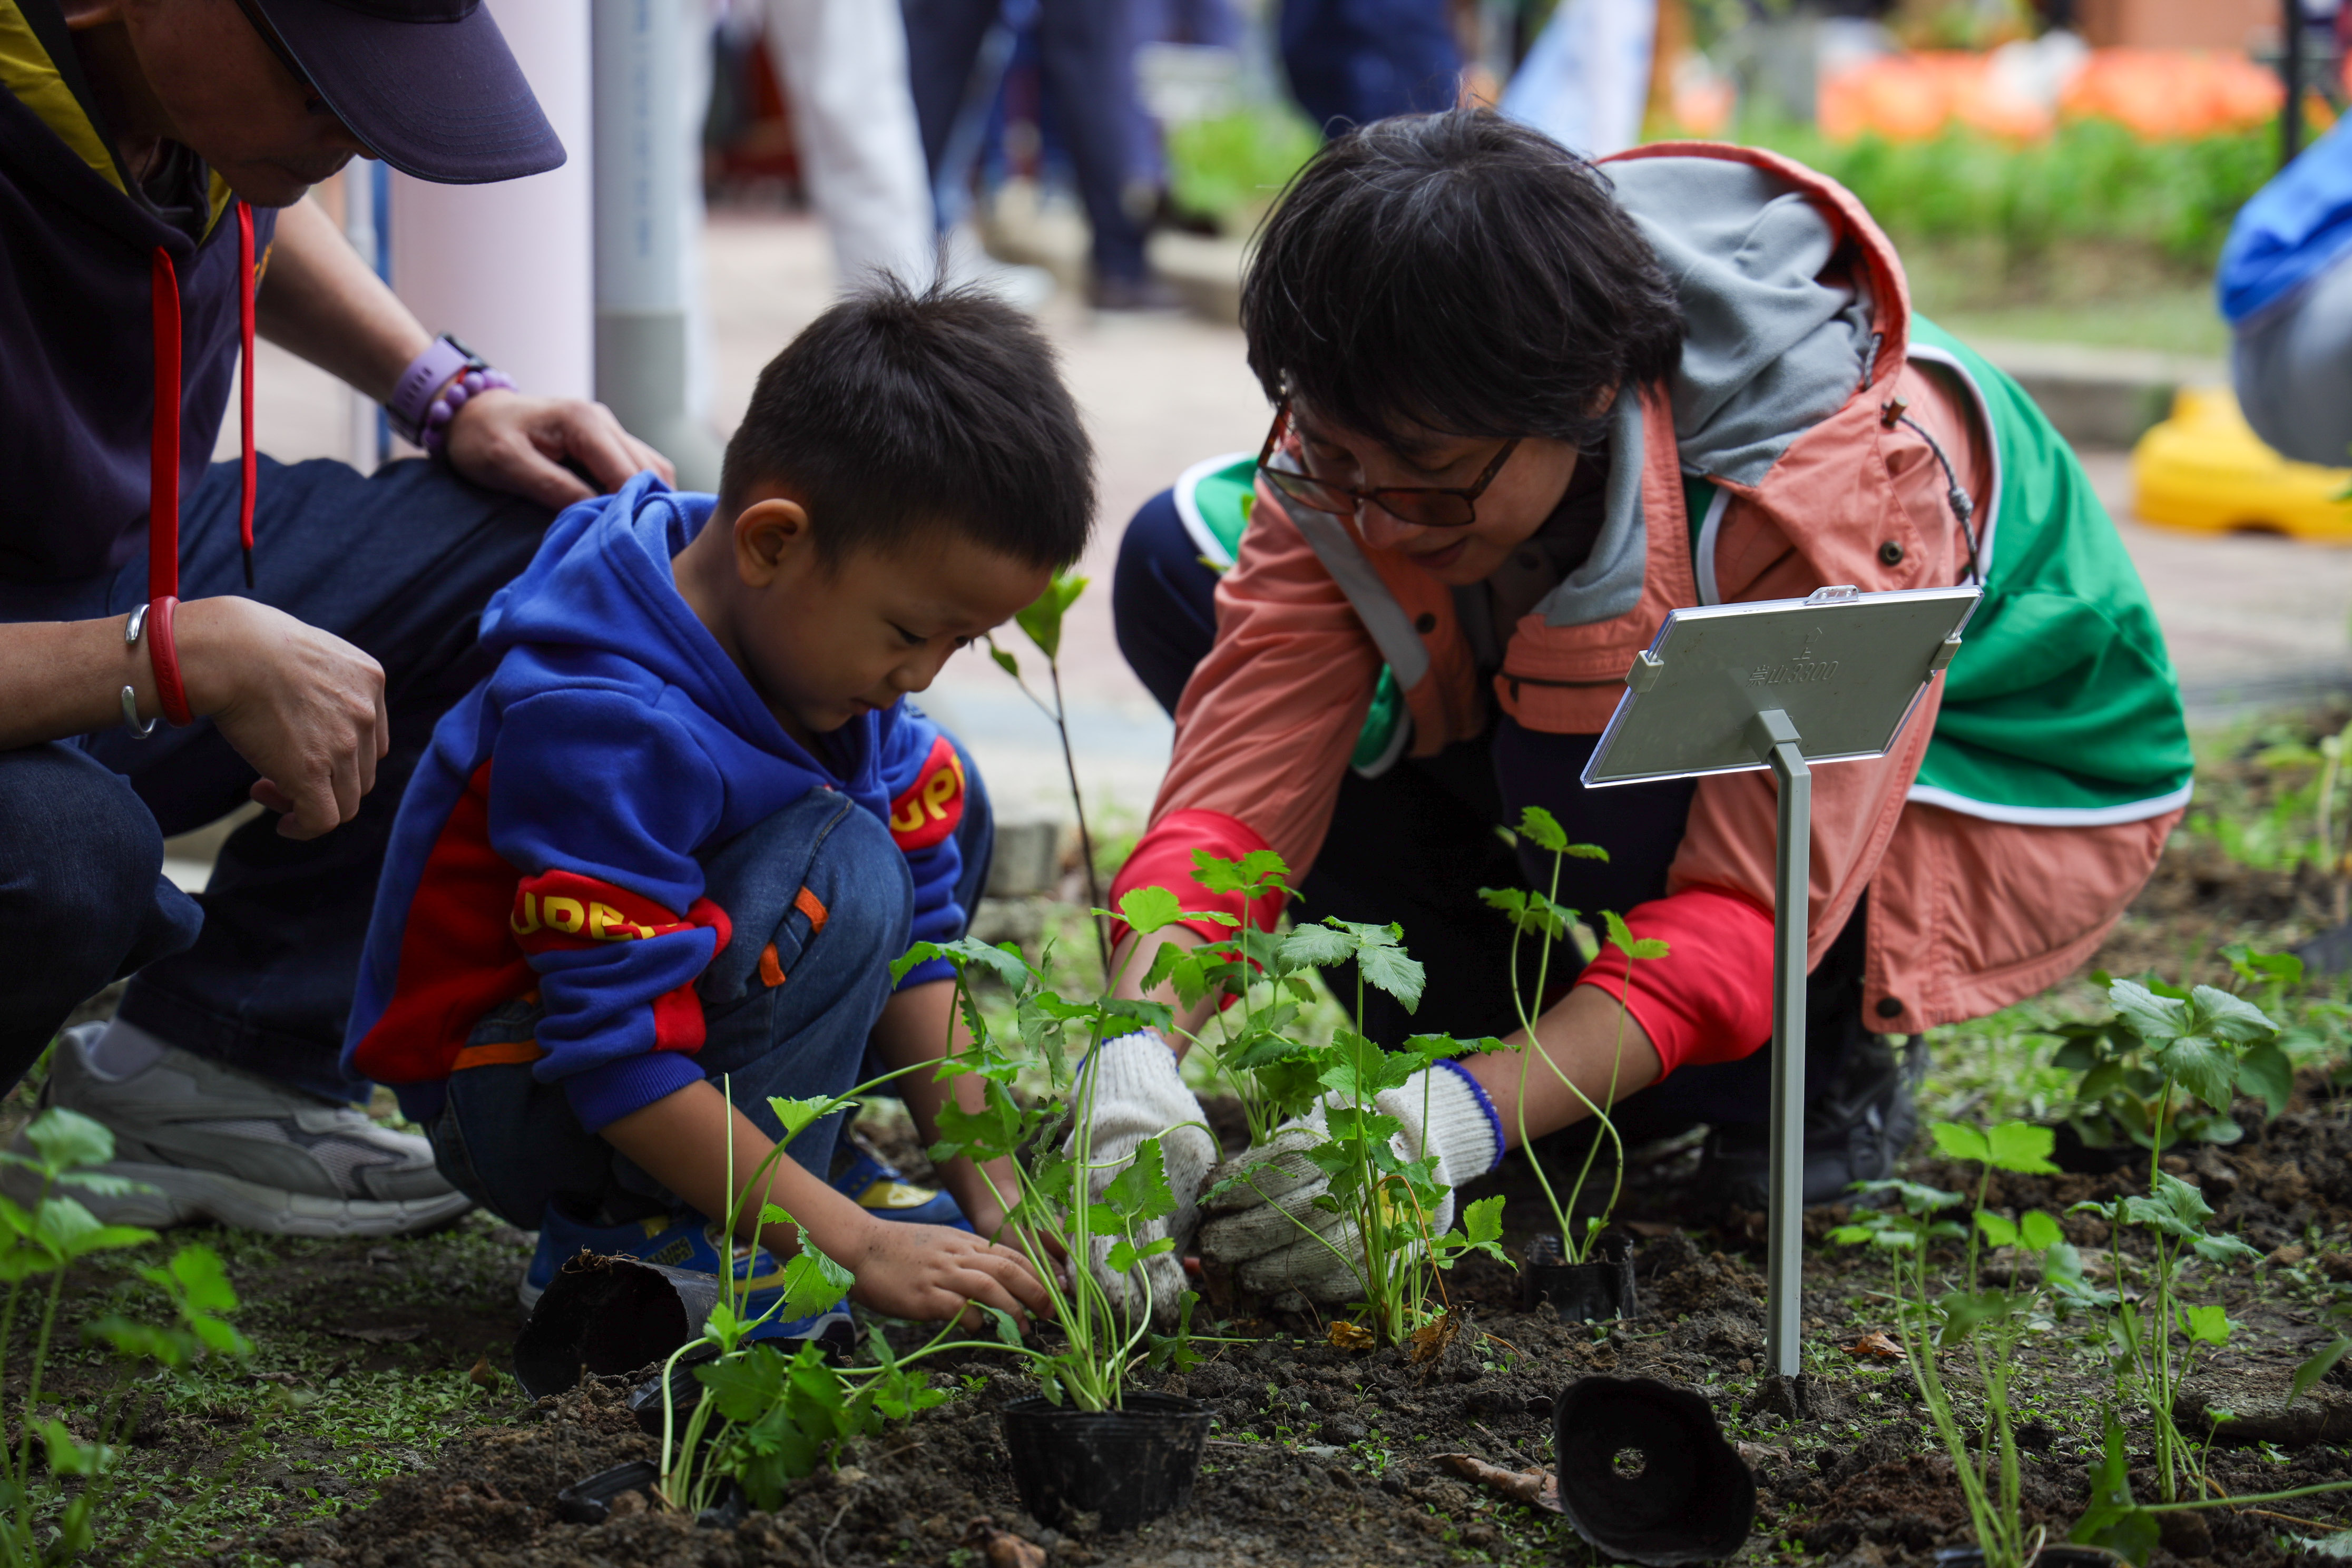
point(553, 839)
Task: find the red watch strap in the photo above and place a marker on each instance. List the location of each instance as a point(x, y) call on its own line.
point(164, 654)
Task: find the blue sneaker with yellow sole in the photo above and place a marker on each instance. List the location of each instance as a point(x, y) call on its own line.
point(874, 1185)
point(683, 1241)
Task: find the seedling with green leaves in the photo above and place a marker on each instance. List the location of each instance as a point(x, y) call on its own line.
point(1383, 1200)
point(1543, 917)
point(1041, 623)
point(2168, 1066)
point(2121, 1523)
point(1992, 1321)
point(1069, 1202)
point(40, 1523)
point(2210, 1044)
point(767, 1417)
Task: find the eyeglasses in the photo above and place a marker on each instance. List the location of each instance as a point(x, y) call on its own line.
point(1422, 505)
point(316, 103)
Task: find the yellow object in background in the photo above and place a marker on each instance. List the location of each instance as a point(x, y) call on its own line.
point(2205, 468)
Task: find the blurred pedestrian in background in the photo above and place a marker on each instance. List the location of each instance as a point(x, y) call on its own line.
point(957, 51)
point(844, 66)
point(1351, 62)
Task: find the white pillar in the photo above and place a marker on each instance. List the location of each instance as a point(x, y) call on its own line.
point(648, 208)
point(509, 268)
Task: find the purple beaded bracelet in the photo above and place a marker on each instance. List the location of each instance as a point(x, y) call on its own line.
point(435, 433)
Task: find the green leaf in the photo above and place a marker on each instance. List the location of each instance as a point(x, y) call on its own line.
point(2322, 1363)
point(2152, 1017)
point(1585, 852)
point(1959, 1141)
point(68, 1456)
point(1318, 946)
point(812, 1281)
point(992, 1130)
point(1997, 1230)
point(1622, 937)
point(1004, 660)
point(1041, 620)
point(747, 1385)
point(1006, 1328)
point(2265, 1071)
point(1139, 1193)
point(2021, 1147)
point(2038, 1232)
point(1539, 825)
point(2230, 1017)
point(797, 1114)
point(2201, 1066)
point(1146, 909)
point(2224, 1250)
point(2114, 1520)
point(2205, 1325)
point(2183, 1199)
point(1482, 1220)
point(1260, 868)
point(1387, 968)
point(203, 1282)
point(1967, 1311)
point(1122, 1256)
point(68, 1138)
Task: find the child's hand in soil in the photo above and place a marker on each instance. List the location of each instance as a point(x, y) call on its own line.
point(930, 1272)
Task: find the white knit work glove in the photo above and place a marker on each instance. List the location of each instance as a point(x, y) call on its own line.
point(1269, 1226)
point(1137, 1092)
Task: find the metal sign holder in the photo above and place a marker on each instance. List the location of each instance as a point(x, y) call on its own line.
point(1781, 684)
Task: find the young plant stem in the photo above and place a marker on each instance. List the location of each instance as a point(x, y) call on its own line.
point(1079, 804)
point(2160, 1402)
point(1526, 1059)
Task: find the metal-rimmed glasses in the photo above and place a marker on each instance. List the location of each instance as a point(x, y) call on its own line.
point(1422, 505)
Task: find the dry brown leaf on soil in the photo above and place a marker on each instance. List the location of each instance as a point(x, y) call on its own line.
point(1876, 1344)
point(483, 1375)
point(1537, 1488)
point(1347, 1336)
point(1429, 1341)
point(1002, 1549)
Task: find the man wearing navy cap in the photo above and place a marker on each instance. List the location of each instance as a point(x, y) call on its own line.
point(176, 636)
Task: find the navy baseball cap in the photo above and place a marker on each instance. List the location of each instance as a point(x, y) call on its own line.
point(428, 85)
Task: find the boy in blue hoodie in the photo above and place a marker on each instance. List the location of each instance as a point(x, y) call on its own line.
point(680, 833)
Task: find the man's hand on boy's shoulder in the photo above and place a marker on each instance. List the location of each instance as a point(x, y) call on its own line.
point(929, 1272)
point(507, 441)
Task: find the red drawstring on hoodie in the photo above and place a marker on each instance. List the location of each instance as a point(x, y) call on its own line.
point(163, 461)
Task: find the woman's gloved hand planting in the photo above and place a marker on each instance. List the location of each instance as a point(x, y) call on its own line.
point(1133, 1090)
point(1263, 1217)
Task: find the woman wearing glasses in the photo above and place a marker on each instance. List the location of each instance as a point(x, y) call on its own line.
point(1524, 406)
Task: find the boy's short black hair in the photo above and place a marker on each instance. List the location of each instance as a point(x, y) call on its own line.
point(1459, 272)
point(896, 412)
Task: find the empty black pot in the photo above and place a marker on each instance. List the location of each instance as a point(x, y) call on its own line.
point(590, 1501)
point(607, 1317)
point(1645, 1474)
point(1579, 1293)
point(1130, 1466)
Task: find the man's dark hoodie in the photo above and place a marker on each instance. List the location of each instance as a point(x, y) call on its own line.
point(78, 237)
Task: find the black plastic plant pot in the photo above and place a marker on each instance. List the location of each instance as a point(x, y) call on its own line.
point(607, 1317)
point(1645, 1474)
point(1130, 1466)
point(591, 1501)
point(2060, 1554)
point(1579, 1293)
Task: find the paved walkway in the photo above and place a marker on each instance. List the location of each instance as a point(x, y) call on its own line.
point(2249, 618)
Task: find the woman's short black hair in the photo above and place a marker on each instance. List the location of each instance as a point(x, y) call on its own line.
point(896, 412)
point(1459, 272)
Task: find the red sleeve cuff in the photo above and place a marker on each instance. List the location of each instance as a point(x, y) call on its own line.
point(1709, 999)
point(1163, 859)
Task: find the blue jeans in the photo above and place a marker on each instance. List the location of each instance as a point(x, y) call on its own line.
point(1351, 62)
point(258, 973)
point(1416, 844)
point(509, 1140)
point(1085, 51)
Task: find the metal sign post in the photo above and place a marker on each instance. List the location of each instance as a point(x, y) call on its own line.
point(1783, 684)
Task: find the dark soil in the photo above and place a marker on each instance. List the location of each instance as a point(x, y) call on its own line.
point(1325, 1456)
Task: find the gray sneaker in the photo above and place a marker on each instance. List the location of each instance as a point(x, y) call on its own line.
point(215, 1143)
